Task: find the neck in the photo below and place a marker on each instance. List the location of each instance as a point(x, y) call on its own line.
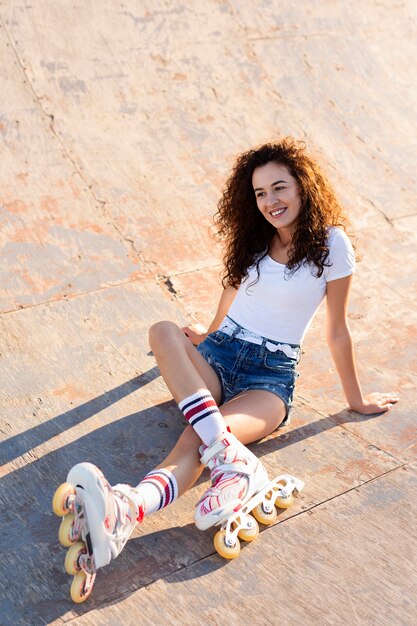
point(284, 238)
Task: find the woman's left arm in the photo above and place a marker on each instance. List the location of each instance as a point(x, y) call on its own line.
point(341, 347)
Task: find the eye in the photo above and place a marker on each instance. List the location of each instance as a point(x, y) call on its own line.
point(278, 188)
point(259, 194)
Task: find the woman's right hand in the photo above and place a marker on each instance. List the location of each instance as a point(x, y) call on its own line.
point(195, 332)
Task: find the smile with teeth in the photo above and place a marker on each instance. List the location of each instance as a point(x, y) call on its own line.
point(277, 212)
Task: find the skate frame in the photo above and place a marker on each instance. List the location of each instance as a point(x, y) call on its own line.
point(281, 486)
point(79, 532)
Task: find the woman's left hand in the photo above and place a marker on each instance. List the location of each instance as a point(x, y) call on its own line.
point(376, 403)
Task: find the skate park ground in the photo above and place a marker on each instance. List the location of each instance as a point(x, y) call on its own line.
point(120, 122)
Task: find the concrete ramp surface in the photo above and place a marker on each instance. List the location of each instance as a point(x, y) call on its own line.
point(119, 122)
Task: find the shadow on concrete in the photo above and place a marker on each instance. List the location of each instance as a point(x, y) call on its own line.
point(18, 445)
point(126, 450)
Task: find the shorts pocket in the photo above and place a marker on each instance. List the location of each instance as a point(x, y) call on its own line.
point(279, 363)
point(217, 337)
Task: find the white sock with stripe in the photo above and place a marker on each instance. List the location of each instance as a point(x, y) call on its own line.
point(202, 413)
point(158, 489)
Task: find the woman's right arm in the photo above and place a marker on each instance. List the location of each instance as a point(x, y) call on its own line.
point(197, 333)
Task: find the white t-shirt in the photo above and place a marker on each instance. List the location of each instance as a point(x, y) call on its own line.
point(281, 306)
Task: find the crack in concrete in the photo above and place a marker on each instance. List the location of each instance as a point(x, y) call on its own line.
point(161, 279)
point(380, 211)
point(197, 270)
point(168, 284)
point(308, 510)
point(306, 403)
point(132, 244)
point(342, 493)
point(67, 297)
point(77, 167)
point(50, 116)
point(332, 34)
point(403, 217)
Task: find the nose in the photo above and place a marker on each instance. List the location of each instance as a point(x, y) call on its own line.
point(272, 198)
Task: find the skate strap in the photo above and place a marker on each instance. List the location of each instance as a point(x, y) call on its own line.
point(129, 493)
point(234, 468)
point(214, 449)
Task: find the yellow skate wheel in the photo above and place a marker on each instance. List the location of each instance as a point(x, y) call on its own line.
point(227, 552)
point(72, 556)
point(284, 502)
point(78, 592)
point(64, 534)
point(249, 534)
point(59, 502)
point(263, 517)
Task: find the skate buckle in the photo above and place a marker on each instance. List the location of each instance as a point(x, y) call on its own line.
point(141, 514)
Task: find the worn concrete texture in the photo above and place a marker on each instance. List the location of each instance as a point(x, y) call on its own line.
point(119, 122)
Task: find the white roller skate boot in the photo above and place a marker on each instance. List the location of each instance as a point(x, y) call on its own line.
point(97, 522)
point(236, 474)
point(240, 486)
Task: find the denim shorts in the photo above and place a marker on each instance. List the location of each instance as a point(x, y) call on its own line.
point(242, 365)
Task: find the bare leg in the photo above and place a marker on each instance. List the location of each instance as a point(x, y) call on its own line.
point(250, 416)
point(183, 368)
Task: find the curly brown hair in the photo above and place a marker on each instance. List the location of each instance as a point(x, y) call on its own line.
point(247, 234)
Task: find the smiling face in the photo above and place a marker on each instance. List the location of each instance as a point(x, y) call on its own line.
point(277, 196)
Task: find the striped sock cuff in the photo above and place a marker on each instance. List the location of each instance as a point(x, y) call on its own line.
point(198, 406)
point(165, 484)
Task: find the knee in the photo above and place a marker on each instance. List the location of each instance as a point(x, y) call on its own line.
point(161, 332)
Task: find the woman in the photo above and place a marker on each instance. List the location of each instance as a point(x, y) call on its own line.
point(286, 249)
